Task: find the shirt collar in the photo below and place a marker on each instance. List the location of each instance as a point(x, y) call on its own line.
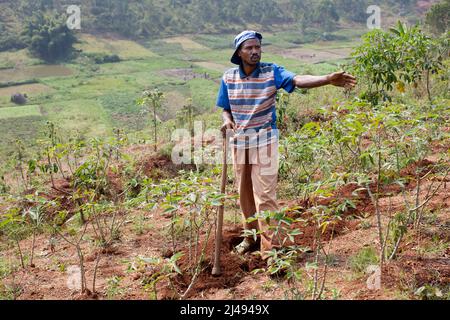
point(254, 74)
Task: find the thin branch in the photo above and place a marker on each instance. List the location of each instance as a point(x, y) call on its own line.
point(199, 263)
point(430, 197)
point(322, 286)
point(20, 254)
point(95, 271)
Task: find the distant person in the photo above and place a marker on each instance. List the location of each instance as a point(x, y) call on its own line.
point(247, 95)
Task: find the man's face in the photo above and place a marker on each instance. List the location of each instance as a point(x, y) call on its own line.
point(250, 52)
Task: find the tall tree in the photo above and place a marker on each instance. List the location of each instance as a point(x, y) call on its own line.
point(48, 37)
point(438, 17)
point(301, 12)
point(352, 10)
point(325, 15)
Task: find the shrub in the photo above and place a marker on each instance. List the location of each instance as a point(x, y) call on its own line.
point(100, 58)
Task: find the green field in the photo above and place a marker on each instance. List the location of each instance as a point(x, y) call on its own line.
point(19, 112)
point(96, 98)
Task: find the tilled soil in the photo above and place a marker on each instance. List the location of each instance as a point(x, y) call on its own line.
point(49, 278)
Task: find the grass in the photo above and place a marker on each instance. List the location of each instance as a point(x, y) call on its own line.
point(122, 110)
point(186, 43)
point(141, 224)
point(174, 101)
point(9, 59)
point(216, 70)
point(125, 49)
point(435, 247)
point(334, 44)
point(204, 93)
point(6, 268)
point(172, 50)
point(295, 38)
point(220, 56)
point(84, 115)
point(219, 41)
point(290, 64)
point(154, 64)
point(113, 290)
point(321, 68)
point(34, 72)
point(150, 80)
point(285, 39)
point(9, 292)
point(19, 112)
point(30, 89)
point(86, 87)
point(362, 259)
point(26, 129)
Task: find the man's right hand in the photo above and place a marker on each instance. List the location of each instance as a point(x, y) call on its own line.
point(228, 125)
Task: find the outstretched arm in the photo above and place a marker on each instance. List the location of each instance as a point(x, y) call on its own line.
point(339, 79)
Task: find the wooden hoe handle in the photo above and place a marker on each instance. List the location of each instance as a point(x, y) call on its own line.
point(216, 271)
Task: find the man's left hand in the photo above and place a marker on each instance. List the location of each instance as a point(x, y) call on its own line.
point(342, 79)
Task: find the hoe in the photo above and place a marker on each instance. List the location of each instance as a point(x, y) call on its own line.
point(216, 271)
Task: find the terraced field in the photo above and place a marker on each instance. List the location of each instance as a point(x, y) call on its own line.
point(95, 98)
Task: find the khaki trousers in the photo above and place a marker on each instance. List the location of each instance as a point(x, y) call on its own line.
point(256, 176)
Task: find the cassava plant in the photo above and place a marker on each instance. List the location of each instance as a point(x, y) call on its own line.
point(151, 102)
point(75, 240)
point(387, 60)
point(190, 203)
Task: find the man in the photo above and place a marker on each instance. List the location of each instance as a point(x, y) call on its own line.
point(247, 95)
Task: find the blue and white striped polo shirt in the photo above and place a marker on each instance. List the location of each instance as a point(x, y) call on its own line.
point(251, 100)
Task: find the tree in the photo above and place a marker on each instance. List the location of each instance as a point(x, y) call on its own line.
point(299, 10)
point(261, 11)
point(325, 14)
point(353, 10)
point(402, 55)
point(48, 37)
point(438, 17)
point(9, 38)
